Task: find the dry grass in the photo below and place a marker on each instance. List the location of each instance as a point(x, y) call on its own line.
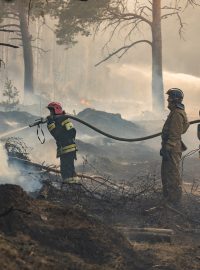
point(170, 256)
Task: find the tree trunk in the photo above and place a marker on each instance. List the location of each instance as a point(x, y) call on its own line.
point(27, 50)
point(157, 76)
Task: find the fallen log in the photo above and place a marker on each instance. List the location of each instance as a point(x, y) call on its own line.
point(43, 167)
point(150, 230)
point(150, 235)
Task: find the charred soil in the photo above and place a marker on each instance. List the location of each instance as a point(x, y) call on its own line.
point(45, 234)
point(42, 234)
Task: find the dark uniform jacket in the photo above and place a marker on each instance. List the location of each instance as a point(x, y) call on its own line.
point(61, 128)
point(175, 125)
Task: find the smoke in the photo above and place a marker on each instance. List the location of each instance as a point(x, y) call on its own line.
point(69, 76)
point(190, 86)
point(45, 153)
point(135, 96)
point(13, 175)
point(5, 170)
point(11, 132)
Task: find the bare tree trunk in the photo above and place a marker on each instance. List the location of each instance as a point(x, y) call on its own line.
point(27, 50)
point(157, 76)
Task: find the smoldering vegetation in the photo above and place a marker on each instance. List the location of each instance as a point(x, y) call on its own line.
point(13, 173)
point(101, 155)
point(57, 226)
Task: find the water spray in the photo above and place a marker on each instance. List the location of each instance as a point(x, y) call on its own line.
point(6, 134)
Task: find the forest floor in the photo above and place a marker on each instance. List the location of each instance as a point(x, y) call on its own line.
point(73, 230)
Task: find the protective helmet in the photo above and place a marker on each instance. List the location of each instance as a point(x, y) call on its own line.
point(176, 94)
point(56, 106)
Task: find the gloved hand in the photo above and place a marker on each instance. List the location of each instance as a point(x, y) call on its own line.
point(50, 118)
point(165, 154)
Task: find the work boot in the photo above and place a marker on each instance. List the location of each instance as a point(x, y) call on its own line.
point(72, 180)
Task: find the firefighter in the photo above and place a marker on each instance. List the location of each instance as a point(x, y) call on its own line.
point(172, 146)
point(61, 128)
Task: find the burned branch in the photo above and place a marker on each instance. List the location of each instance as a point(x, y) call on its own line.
point(192, 3)
point(124, 49)
point(40, 49)
point(7, 30)
point(9, 25)
point(8, 45)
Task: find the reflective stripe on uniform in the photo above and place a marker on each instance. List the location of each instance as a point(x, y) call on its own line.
point(51, 126)
point(65, 122)
point(69, 146)
point(71, 180)
point(68, 124)
point(67, 149)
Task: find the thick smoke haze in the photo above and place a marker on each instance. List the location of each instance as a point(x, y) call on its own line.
point(124, 86)
point(5, 170)
point(13, 175)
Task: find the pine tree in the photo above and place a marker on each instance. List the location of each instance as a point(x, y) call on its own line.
point(11, 94)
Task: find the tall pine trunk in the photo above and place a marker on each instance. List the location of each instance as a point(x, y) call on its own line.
point(27, 49)
point(157, 75)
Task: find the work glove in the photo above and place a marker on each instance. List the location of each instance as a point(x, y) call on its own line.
point(165, 153)
point(50, 119)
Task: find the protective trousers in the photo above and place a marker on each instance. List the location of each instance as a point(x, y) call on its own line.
point(171, 177)
point(67, 165)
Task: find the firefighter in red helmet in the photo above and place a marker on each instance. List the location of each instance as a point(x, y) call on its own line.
point(61, 128)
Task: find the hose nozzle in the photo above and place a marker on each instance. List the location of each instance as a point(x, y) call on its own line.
point(38, 122)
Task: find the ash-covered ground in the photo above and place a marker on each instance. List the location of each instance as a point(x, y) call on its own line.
point(92, 225)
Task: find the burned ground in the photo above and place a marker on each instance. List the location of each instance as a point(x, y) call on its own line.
point(75, 228)
point(91, 226)
point(145, 209)
point(70, 229)
point(43, 234)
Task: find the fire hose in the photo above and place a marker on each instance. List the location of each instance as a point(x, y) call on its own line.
point(41, 121)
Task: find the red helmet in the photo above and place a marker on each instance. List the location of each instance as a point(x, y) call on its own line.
point(56, 106)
